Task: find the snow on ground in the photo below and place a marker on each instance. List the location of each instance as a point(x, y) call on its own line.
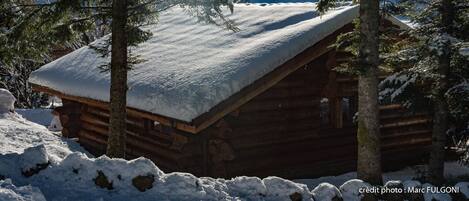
point(7, 101)
point(10, 192)
point(452, 170)
point(59, 174)
point(75, 178)
point(40, 116)
point(37, 164)
point(17, 134)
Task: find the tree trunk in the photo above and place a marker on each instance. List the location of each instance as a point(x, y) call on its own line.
point(440, 108)
point(368, 135)
point(117, 123)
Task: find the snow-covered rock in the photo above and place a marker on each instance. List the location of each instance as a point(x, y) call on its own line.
point(393, 190)
point(326, 192)
point(7, 101)
point(34, 157)
point(433, 196)
point(282, 189)
point(10, 192)
point(412, 184)
point(463, 188)
point(351, 190)
point(249, 187)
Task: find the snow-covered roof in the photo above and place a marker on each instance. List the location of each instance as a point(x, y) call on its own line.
point(190, 66)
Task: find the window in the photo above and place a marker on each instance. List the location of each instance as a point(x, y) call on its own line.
point(337, 112)
point(349, 109)
point(324, 112)
point(151, 125)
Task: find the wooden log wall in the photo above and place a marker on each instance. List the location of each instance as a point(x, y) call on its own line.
point(69, 115)
point(171, 150)
point(279, 132)
point(276, 133)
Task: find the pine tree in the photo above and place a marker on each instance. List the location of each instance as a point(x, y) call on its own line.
point(63, 18)
point(117, 121)
point(436, 69)
point(127, 19)
point(29, 34)
point(368, 134)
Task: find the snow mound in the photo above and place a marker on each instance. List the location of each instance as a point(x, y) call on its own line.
point(281, 189)
point(75, 178)
point(32, 157)
point(429, 196)
point(463, 188)
point(350, 189)
point(411, 184)
point(248, 187)
point(7, 101)
point(9, 192)
point(40, 116)
point(55, 124)
point(326, 192)
point(18, 134)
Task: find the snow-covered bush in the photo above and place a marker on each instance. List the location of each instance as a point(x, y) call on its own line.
point(7, 101)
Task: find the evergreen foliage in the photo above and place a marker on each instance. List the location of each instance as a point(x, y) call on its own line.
point(30, 32)
point(418, 78)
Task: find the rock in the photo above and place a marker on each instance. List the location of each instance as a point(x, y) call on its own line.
point(102, 181)
point(464, 190)
point(33, 160)
point(350, 190)
point(394, 191)
point(35, 170)
point(326, 192)
point(143, 183)
point(412, 184)
point(296, 197)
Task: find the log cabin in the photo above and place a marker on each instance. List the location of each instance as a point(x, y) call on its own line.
point(261, 101)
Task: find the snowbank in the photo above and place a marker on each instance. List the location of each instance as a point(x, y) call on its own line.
point(40, 116)
point(18, 134)
point(464, 188)
point(326, 192)
point(78, 177)
point(9, 192)
point(7, 101)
